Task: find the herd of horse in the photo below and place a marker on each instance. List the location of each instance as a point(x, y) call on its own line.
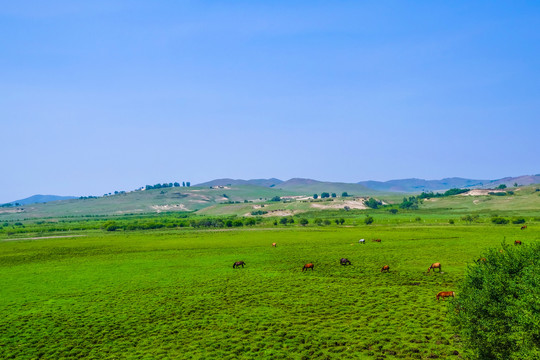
point(385, 268)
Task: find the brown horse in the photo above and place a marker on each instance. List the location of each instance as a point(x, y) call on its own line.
point(517, 242)
point(238, 264)
point(445, 294)
point(274, 244)
point(344, 261)
point(308, 266)
point(377, 240)
point(523, 227)
point(435, 266)
point(385, 268)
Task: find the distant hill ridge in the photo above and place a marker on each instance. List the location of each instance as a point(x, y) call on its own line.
point(41, 199)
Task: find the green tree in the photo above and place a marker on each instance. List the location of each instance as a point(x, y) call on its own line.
point(368, 220)
point(304, 221)
point(275, 198)
point(496, 308)
point(283, 221)
point(372, 203)
point(325, 195)
point(333, 195)
point(315, 196)
point(344, 194)
point(502, 186)
point(318, 221)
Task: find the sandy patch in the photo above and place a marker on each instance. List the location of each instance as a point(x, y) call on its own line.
point(11, 211)
point(175, 207)
point(353, 204)
point(296, 197)
point(280, 213)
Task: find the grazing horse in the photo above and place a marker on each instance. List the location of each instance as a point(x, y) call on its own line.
point(517, 242)
point(445, 294)
point(377, 240)
point(523, 227)
point(308, 266)
point(238, 264)
point(344, 261)
point(435, 266)
point(385, 268)
point(362, 241)
point(274, 244)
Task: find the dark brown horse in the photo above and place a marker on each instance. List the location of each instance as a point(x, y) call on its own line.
point(435, 266)
point(308, 266)
point(238, 264)
point(344, 261)
point(517, 242)
point(523, 227)
point(445, 294)
point(385, 268)
point(377, 240)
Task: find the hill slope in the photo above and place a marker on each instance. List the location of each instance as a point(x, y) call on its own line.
point(41, 199)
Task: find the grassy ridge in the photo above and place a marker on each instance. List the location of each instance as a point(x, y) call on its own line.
point(174, 294)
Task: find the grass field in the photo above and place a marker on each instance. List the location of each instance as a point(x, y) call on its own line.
point(174, 294)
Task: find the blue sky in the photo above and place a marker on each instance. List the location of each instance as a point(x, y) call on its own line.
point(99, 96)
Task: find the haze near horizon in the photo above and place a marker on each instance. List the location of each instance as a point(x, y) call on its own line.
point(112, 95)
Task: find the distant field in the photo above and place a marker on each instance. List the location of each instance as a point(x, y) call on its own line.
point(173, 294)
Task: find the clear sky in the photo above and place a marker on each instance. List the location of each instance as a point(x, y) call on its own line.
point(105, 95)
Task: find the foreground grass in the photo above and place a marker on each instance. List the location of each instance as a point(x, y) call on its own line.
point(174, 294)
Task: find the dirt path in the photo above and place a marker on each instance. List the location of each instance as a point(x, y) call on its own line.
point(45, 237)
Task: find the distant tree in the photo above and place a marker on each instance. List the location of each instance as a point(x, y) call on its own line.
point(275, 198)
point(176, 184)
point(229, 223)
point(499, 220)
point(315, 196)
point(327, 222)
point(250, 222)
point(341, 221)
point(318, 221)
point(344, 194)
point(516, 184)
point(368, 220)
point(183, 183)
point(372, 203)
point(225, 196)
point(290, 220)
point(283, 221)
point(188, 184)
point(275, 222)
point(238, 223)
point(451, 221)
point(333, 195)
point(393, 211)
point(502, 186)
point(519, 220)
point(304, 221)
point(325, 195)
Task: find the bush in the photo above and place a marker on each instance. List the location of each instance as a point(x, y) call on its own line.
point(499, 220)
point(393, 211)
point(496, 309)
point(275, 198)
point(317, 221)
point(518, 220)
point(372, 203)
point(325, 195)
point(327, 222)
point(304, 222)
point(451, 222)
point(368, 220)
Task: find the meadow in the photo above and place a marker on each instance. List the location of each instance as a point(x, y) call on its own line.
point(172, 293)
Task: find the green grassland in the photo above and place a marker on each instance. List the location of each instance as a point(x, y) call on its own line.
point(174, 294)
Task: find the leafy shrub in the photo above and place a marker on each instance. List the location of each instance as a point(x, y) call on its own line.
point(327, 222)
point(451, 221)
point(497, 193)
point(372, 203)
point(393, 211)
point(496, 309)
point(325, 195)
point(499, 220)
point(368, 220)
point(259, 212)
point(304, 221)
point(275, 198)
point(318, 221)
point(519, 220)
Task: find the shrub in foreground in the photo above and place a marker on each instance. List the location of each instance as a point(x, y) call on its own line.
point(496, 309)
